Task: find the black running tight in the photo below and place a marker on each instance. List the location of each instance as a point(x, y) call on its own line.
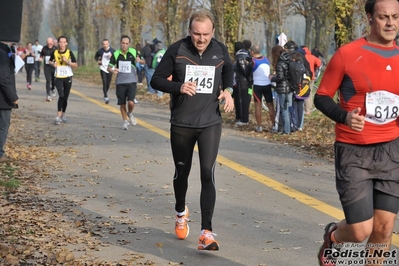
point(63, 86)
point(29, 70)
point(106, 78)
point(49, 75)
point(183, 140)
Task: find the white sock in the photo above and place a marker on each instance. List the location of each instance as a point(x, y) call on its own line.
point(180, 214)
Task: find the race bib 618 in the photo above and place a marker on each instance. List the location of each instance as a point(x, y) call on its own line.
point(382, 107)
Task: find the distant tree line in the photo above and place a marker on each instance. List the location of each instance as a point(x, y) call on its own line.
point(89, 21)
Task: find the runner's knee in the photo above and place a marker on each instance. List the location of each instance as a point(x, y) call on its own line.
point(383, 225)
point(361, 231)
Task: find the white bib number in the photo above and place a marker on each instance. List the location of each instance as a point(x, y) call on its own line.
point(125, 67)
point(105, 61)
point(30, 60)
point(46, 59)
point(382, 107)
point(64, 71)
point(204, 76)
point(106, 58)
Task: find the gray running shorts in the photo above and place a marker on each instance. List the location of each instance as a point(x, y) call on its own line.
point(367, 178)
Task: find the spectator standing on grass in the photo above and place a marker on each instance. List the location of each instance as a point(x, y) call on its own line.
point(139, 66)
point(237, 46)
point(202, 75)
point(243, 71)
point(159, 52)
point(314, 64)
point(317, 53)
point(8, 94)
point(262, 86)
point(281, 60)
point(296, 109)
point(365, 74)
point(148, 54)
point(103, 56)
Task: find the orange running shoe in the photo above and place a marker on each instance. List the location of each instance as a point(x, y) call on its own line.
point(181, 227)
point(207, 241)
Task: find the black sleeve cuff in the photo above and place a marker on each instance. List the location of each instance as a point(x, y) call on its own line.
point(330, 108)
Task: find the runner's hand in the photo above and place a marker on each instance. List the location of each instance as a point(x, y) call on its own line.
point(189, 88)
point(354, 120)
point(228, 101)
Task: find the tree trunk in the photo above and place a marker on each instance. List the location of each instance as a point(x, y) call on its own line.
point(32, 16)
point(343, 21)
point(241, 21)
point(308, 29)
point(217, 8)
point(123, 18)
point(318, 29)
point(82, 11)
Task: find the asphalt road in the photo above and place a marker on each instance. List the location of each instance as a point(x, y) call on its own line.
point(273, 200)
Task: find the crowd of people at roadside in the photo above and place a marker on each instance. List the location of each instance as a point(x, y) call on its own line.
point(270, 80)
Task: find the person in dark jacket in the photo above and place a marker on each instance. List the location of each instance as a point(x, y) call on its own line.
point(243, 78)
point(102, 56)
point(280, 61)
point(49, 70)
point(8, 94)
point(292, 47)
point(148, 54)
point(315, 51)
point(202, 75)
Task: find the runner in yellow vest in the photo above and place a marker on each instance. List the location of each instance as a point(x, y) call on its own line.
point(63, 60)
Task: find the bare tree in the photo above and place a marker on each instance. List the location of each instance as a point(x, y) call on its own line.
point(32, 16)
point(72, 19)
point(89, 21)
point(270, 14)
point(217, 7)
point(81, 31)
point(102, 19)
point(62, 18)
point(135, 23)
point(227, 18)
point(305, 9)
point(128, 13)
point(177, 12)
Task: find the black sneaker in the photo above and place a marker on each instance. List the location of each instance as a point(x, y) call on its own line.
point(324, 259)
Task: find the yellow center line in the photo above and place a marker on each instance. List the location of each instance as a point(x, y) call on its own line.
point(271, 183)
